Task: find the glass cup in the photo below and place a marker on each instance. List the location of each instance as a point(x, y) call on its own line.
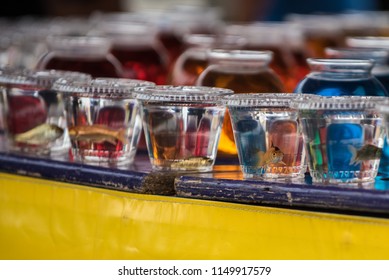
point(268, 135)
point(241, 71)
point(343, 137)
point(379, 71)
point(103, 119)
point(182, 125)
point(34, 113)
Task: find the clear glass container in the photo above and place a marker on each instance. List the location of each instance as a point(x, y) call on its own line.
point(34, 113)
point(270, 36)
point(182, 126)
point(85, 54)
point(243, 72)
point(337, 77)
point(180, 20)
point(135, 44)
point(380, 56)
point(103, 119)
point(343, 137)
point(192, 62)
point(268, 135)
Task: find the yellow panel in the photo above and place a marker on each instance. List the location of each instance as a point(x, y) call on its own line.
point(41, 219)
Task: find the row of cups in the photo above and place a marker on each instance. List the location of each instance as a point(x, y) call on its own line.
point(278, 135)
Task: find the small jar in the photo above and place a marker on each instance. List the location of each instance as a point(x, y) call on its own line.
point(85, 54)
point(272, 37)
point(182, 126)
point(380, 56)
point(135, 44)
point(243, 72)
point(34, 113)
point(180, 20)
point(192, 62)
point(338, 77)
point(103, 119)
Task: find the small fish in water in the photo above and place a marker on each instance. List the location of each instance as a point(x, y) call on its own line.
point(40, 135)
point(367, 152)
point(272, 155)
point(98, 134)
point(192, 162)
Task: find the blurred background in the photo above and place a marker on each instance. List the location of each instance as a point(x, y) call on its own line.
point(148, 36)
point(234, 10)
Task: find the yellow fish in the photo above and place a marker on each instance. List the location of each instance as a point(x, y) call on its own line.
point(98, 134)
point(192, 162)
point(40, 135)
point(272, 156)
point(367, 152)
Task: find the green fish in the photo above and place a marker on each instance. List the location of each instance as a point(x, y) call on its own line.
point(367, 152)
point(40, 135)
point(272, 155)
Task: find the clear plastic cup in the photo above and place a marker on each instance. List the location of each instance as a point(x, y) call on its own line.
point(267, 135)
point(103, 119)
point(343, 137)
point(34, 113)
point(182, 125)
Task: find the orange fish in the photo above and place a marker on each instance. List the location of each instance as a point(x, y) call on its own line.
point(98, 134)
point(272, 155)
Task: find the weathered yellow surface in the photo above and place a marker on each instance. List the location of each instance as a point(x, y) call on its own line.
point(41, 219)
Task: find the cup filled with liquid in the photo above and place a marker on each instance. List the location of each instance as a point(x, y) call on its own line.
point(182, 125)
point(267, 135)
point(103, 119)
point(343, 137)
point(34, 113)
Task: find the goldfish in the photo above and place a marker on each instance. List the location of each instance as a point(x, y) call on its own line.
point(40, 135)
point(192, 162)
point(98, 134)
point(367, 152)
point(272, 155)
